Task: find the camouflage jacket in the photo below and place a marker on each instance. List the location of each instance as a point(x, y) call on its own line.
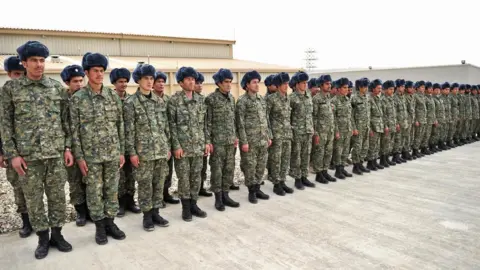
point(461, 107)
point(468, 107)
point(187, 123)
point(342, 109)
point(220, 119)
point(127, 95)
point(389, 113)
point(454, 106)
point(440, 109)
point(302, 113)
point(403, 118)
point(323, 114)
point(430, 103)
point(420, 108)
point(278, 111)
point(475, 112)
point(35, 119)
point(252, 121)
point(376, 114)
point(447, 108)
point(360, 112)
point(410, 102)
point(147, 133)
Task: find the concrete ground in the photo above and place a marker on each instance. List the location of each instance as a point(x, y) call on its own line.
point(421, 215)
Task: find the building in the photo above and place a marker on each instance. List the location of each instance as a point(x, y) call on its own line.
point(167, 54)
point(463, 73)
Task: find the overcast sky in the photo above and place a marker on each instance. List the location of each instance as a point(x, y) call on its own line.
point(345, 34)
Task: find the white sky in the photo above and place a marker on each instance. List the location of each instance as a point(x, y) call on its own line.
point(345, 33)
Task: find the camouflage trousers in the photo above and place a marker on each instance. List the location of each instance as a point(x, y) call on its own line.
point(188, 171)
point(76, 185)
point(341, 148)
point(322, 152)
point(452, 127)
point(45, 176)
point(407, 138)
point(300, 156)
point(386, 142)
point(279, 159)
point(437, 133)
point(222, 167)
point(412, 136)
point(401, 138)
point(150, 176)
point(253, 163)
point(374, 145)
point(204, 169)
point(466, 128)
point(18, 195)
point(102, 189)
point(126, 183)
point(419, 135)
point(428, 134)
point(459, 131)
point(168, 178)
point(360, 145)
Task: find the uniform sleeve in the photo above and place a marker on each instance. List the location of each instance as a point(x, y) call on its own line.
point(240, 122)
point(335, 117)
point(75, 128)
point(354, 124)
point(167, 128)
point(315, 117)
point(172, 120)
point(130, 131)
point(65, 115)
point(269, 110)
point(9, 146)
point(120, 124)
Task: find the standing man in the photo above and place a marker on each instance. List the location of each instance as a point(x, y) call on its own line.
point(390, 124)
point(445, 145)
point(475, 112)
point(278, 112)
point(302, 126)
point(324, 131)
point(186, 115)
point(421, 117)
point(461, 114)
point(36, 143)
point(455, 111)
point(410, 102)
point(99, 145)
point(403, 118)
point(254, 135)
point(377, 127)
point(468, 113)
point(271, 88)
point(313, 87)
point(431, 118)
point(361, 126)
point(13, 66)
point(442, 127)
point(120, 77)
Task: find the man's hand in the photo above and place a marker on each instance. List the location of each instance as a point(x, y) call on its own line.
point(122, 161)
point(316, 139)
point(19, 165)
point(398, 128)
point(386, 130)
point(355, 132)
point(135, 161)
point(269, 143)
point(245, 148)
point(235, 144)
point(417, 124)
point(372, 134)
point(68, 157)
point(337, 135)
point(169, 155)
point(178, 154)
point(82, 164)
point(435, 124)
point(210, 148)
point(3, 162)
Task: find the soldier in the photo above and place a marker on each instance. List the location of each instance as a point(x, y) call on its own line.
point(313, 87)
point(439, 131)
point(360, 126)
point(343, 128)
point(461, 115)
point(186, 115)
point(147, 143)
point(73, 76)
point(254, 135)
point(350, 89)
point(421, 118)
point(376, 124)
point(271, 88)
point(455, 111)
point(477, 130)
point(401, 113)
point(35, 109)
point(278, 112)
point(324, 131)
point(390, 124)
point(120, 77)
point(475, 112)
point(302, 126)
point(410, 103)
point(13, 66)
point(468, 113)
point(431, 119)
point(448, 116)
point(99, 145)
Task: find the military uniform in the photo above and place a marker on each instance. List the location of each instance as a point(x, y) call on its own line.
point(448, 119)
point(410, 103)
point(468, 116)
point(439, 131)
point(389, 121)
point(431, 120)
point(361, 122)
point(461, 117)
point(421, 118)
point(475, 115)
point(377, 130)
point(343, 126)
point(404, 121)
point(455, 118)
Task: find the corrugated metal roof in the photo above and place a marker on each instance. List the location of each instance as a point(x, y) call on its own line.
point(325, 71)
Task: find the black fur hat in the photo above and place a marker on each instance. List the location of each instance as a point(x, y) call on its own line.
point(281, 78)
point(71, 71)
point(32, 48)
point(222, 74)
point(161, 75)
point(13, 63)
point(363, 82)
point(200, 79)
point(325, 78)
point(419, 84)
point(300, 77)
point(248, 77)
point(185, 72)
point(436, 85)
point(118, 73)
point(269, 79)
point(312, 83)
point(462, 87)
point(474, 88)
point(399, 82)
point(90, 60)
point(428, 85)
point(445, 85)
point(143, 70)
point(468, 87)
point(408, 84)
point(388, 84)
point(455, 85)
point(374, 84)
point(341, 82)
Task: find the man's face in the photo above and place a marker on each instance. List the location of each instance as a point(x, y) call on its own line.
point(436, 91)
point(272, 88)
point(446, 91)
point(146, 83)
point(159, 86)
point(363, 90)
point(326, 87)
point(462, 92)
point(35, 66)
point(15, 74)
point(253, 86)
point(429, 90)
point(121, 85)
point(301, 86)
point(389, 91)
point(410, 90)
point(377, 90)
point(343, 90)
point(314, 90)
point(455, 90)
point(421, 89)
point(75, 83)
point(188, 84)
point(401, 89)
point(334, 90)
point(474, 92)
point(198, 88)
point(283, 88)
point(225, 86)
point(95, 75)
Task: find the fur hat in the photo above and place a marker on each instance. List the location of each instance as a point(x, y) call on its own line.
point(143, 70)
point(350, 84)
point(118, 73)
point(160, 75)
point(324, 78)
point(363, 82)
point(341, 82)
point(468, 87)
point(281, 78)
point(388, 84)
point(32, 48)
point(185, 72)
point(474, 88)
point(13, 63)
point(269, 80)
point(428, 85)
point(222, 74)
point(71, 71)
point(455, 85)
point(399, 82)
point(293, 82)
point(408, 84)
point(300, 77)
point(312, 83)
point(90, 60)
point(462, 87)
point(374, 84)
point(445, 85)
point(436, 85)
point(419, 84)
point(248, 77)
point(200, 78)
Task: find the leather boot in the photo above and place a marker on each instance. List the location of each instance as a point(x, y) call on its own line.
point(169, 199)
point(328, 176)
point(122, 203)
point(147, 221)
point(159, 220)
point(233, 187)
point(203, 192)
point(426, 151)
point(26, 229)
point(371, 165)
point(277, 189)
point(219, 201)
point(356, 169)
point(228, 201)
point(81, 219)
point(196, 211)
point(338, 172)
point(259, 193)
point(383, 161)
point(320, 178)
point(405, 156)
point(43, 244)
point(378, 166)
point(363, 169)
point(252, 194)
point(186, 210)
point(57, 240)
point(299, 184)
point(112, 229)
point(100, 233)
point(307, 182)
point(390, 162)
point(131, 205)
point(410, 156)
point(287, 189)
point(344, 172)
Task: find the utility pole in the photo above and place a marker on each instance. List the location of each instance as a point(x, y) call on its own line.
point(310, 59)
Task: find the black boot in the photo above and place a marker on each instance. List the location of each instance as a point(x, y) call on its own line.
point(81, 219)
point(356, 169)
point(378, 166)
point(451, 145)
point(131, 205)
point(112, 229)
point(100, 233)
point(43, 244)
point(147, 221)
point(426, 151)
point(307, 182)
point(26, 229)
point(328, 176)
point(57, 240)
point(383, 161)
point(410, 157)
point(122, 202)
point(299, 184)
point(363, 169)
point(277, 189)
point(159, 220)
point(219, 201)
point(405, 156)
point(252, 194)
point(186, 210)
point(203, 192)
point(401, 159)
point(259, 193)
point(196, 211)
point(416, 154)
point(390, 162)
point(233, 187)
point(228, 201)
point(344, 172)
point(338, 172)
point(169, 199)
point(321, 179)
point(371, 166)
point(287, 189)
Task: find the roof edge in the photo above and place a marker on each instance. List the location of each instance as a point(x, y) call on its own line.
point(389, 68)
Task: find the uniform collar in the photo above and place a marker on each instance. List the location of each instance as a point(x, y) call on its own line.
point(43, 81)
